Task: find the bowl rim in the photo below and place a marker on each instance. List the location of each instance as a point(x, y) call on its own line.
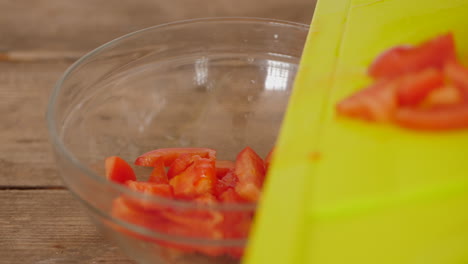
point(60, 148)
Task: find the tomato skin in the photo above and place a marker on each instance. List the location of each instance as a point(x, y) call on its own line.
point(412, 89)
point(250, 172)
point(169, 155)
point(158, 175)
point(406, 59)
point(118, 170)
point(198, 179)
point(437, 118)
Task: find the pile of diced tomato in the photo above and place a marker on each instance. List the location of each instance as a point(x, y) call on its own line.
point(422, 87)
point(191, 174)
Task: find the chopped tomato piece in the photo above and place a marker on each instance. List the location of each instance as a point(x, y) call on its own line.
point(151, 189)
point(445, 95)
point(236, 224)
point(384, 64)
point(230, 196)
point(180, 164)
point(227, 181)
point(199, 178)
point(458, 76)
point(437, 118)
point(236, 252)
point(202, 222)
point(158, 175)
point(124, 210)
point(268, 159)
point(196, 224)
point(196, 176)
point(413, 88)
point(405, 59)
point(431, 88)
point(250, 172)
point(223, 167)
point(168, 155)
point(118, 170)
point(375, 103)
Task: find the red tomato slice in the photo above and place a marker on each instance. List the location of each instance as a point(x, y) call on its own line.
point(198, 179)
point(268, 159)
point(203, 222)
point(437, 118)
point(236, 224)
point(231, 196)
point(229, 180)
point(413, 88)
point(250, 172)
point(150, 188)
point(403, 59)
point(181, 164)
point(375, 103)
point(118, 170)
point(223, 167)
point(169, 155)
point(158, 175)
point(125, 210)
point(458, 76)
point(388, 64)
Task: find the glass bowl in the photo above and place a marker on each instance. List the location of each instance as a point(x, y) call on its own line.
point(220, 83)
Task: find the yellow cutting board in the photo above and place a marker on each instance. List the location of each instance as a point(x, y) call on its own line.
point(346, 191)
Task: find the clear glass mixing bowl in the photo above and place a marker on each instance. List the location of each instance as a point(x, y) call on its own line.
point(217, 83)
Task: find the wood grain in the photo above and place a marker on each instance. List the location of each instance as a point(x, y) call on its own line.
point(25, 159)
point(49, 226)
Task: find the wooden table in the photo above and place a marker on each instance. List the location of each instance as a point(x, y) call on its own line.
point(39, 221)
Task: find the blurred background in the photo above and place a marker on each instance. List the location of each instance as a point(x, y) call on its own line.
point(57, 25)
point(39, 220)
